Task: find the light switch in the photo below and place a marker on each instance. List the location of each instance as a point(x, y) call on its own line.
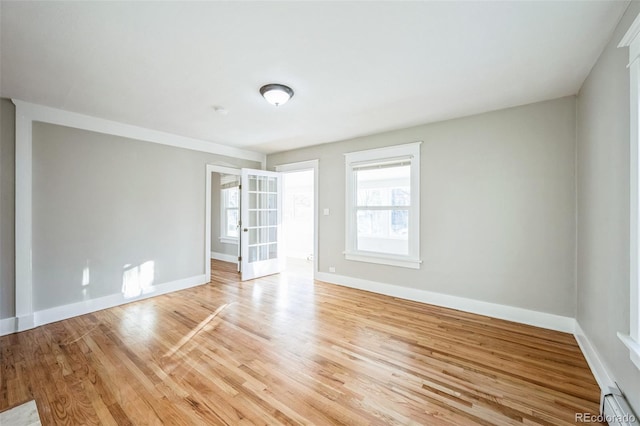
point(326, 212)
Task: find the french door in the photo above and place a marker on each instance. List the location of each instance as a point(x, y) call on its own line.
point(261, 224)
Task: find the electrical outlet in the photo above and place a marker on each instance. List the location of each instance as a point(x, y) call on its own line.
point(326, 212)
point(332, 268)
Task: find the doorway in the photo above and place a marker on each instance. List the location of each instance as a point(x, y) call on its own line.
point(225, 211)
point(299, 218)
point(261, 249)
point(218, 243)
point(251, 198)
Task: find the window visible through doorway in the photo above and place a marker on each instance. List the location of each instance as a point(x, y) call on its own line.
point(229, 205)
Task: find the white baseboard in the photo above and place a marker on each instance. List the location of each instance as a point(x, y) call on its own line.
point(598, 367)
point(58, 313)
point(510, 313)
point(224, 257)
point(7, 326)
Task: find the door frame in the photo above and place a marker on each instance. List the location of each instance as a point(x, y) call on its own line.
point(211, 168)
point(300, 167)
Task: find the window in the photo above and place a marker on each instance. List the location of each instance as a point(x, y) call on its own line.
point(383, 205)
point(632, 340)
point(229, 212)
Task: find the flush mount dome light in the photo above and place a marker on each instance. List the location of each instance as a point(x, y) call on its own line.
point(276, 94)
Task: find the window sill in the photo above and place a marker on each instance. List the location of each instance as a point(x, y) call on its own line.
point(633, 346)
point(227, 240)
point(384, 260)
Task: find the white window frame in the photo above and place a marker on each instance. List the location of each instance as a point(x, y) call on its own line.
point(407, 152)
point(632, 340)
point(224, 238)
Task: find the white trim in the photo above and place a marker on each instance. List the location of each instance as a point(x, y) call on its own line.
point(631, 33)
point(297, 167)
point(632, 338)
point(224, 257)
point(384, 260)
point(599, 369)
point(227, 240)
point(60, 313)
point(23, 230)
point(301, 166)
point(509, 313)
point(633, 346)
point(8, 326)
point(80, 121)
point(386, 151)
point(210, 168)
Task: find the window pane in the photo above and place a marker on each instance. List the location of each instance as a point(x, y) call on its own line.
point(383, 231)
point(388, 186)
point(273, 217)
point(401, 196)
point(232, 197)
point(273, 184)
point(262, 183)
point(254, 236)
point(264, 252)
point(273, 251)
point(253, 254)
point(272, 201)
point(400, 224)
point(232, 223)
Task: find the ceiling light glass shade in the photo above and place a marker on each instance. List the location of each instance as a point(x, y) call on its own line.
point(276, 94)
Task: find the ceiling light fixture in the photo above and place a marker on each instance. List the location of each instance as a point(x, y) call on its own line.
point(276, 94)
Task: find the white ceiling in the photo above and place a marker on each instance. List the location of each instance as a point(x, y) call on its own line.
point(356, 67)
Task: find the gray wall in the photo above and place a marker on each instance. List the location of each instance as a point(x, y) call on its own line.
point(603, 209)
point(497, 206)
point(216, 245)
point(108, 204)
point(7, 208)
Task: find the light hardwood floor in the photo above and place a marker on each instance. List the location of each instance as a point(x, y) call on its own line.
point(289, 350)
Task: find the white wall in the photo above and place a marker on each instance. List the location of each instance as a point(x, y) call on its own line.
point(497, 207)
point(603, 209)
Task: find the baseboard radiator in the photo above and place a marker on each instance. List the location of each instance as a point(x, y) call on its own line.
point(616, 410)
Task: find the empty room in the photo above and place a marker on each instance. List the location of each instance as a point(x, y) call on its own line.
point(318, 212)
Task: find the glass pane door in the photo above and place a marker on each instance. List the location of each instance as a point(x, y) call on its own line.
point(261, 223)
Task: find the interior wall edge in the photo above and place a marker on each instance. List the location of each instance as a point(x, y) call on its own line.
point(596, 363)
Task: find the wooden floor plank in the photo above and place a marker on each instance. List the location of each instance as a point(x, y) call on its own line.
point(286, 349)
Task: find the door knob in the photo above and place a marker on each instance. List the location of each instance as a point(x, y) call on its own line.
point(245, 229)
